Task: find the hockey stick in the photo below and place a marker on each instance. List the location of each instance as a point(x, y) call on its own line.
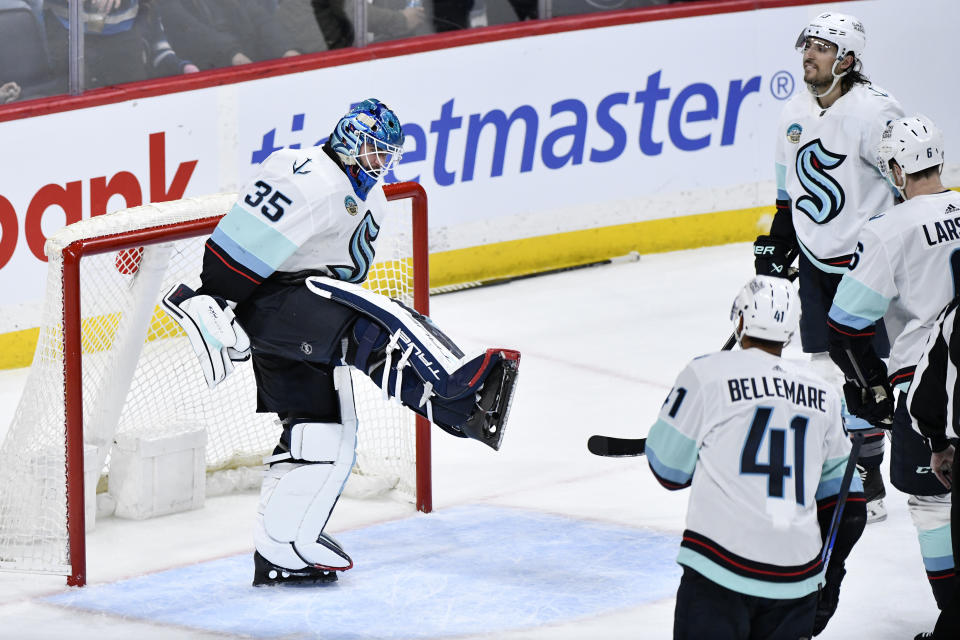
point(841, 499)
point(847, 477)
point(610, 447)
point(792, 274)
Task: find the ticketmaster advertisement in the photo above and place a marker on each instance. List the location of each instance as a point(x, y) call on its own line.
point(523, 144)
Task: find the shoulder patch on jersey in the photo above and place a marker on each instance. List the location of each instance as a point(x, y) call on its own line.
point(300, 169)
point(877, 92)
point(950, 208)
point(793, 133)
point(877, 216)
point(351, 205)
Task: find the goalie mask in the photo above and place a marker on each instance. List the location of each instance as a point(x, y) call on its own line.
point(769, 308)
point(369, 142)
point(914, 143)
point(842, 30)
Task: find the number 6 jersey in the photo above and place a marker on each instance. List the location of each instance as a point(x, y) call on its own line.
point(760, 441)
point(298, 216)
point(905, 270)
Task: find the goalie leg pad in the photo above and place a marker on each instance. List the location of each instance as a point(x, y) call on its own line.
point(212, 328)
point(448, 388)
point(389, 330)
point(301, 487)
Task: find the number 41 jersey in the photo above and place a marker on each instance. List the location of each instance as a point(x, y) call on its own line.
point(760, 441)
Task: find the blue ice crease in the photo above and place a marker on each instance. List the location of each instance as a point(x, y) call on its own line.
point(470, 569)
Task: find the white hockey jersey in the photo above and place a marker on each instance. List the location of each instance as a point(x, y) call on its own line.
point(906, 270)
point(761, 441)
point(827, 168)
point(300, 213)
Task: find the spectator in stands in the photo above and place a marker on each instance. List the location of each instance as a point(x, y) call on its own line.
point(124, 41)
point(24, 62)
point(386, 20)
point(220, 33)
point(9, 92)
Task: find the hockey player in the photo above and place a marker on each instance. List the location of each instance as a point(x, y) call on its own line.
point(827, 187)
point(933, 405)
point(904, 270)
point(761, 443)
point(280, 280)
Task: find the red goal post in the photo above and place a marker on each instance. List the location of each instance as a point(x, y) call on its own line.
point(75, 346)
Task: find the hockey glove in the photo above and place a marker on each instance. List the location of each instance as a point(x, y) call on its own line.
point(214, 333)
point(773, 256)
point(874, 404)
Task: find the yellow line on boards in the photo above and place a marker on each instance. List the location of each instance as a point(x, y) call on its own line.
point(510, 259)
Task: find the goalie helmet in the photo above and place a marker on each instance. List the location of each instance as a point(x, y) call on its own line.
point(915, 143)
point(369, 142)
point(841, 29)
point(769, 307)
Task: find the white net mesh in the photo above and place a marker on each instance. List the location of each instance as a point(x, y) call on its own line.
point(140, 375)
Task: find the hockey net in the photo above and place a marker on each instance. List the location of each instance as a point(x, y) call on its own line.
point(109, 361)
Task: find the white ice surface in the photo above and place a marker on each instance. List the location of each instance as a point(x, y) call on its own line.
point(600, 348)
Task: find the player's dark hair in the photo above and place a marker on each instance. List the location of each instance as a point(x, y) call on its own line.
point(768, 344)
point(853, 76)
point(929, 172)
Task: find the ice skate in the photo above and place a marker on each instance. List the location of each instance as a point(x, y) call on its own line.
point(874, 492)
point(265, 573)
point(489, 418)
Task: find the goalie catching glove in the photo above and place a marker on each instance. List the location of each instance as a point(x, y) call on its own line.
point(215, 335)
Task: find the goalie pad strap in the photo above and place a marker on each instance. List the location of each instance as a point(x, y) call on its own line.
point(434, 356)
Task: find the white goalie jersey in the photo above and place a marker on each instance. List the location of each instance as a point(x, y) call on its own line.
point(301, 213)
point(826, 167)
point(760, 441)
point(905, 270)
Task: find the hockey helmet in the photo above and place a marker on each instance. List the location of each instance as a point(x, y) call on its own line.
point(369, 142)
point(914, 142)
point(769, 307)
point(841, 29)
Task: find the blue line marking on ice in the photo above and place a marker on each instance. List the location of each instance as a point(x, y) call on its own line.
point(463, 570)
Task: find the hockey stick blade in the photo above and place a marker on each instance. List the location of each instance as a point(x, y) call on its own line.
point(609, 447)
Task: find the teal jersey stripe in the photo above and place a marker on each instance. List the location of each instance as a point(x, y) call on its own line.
point(259, 246)
point(240, 254)
point(781, 170)
point(671, 454)
point(820, 265)
point(856, 302)
point(832, 476)
point(750, 586)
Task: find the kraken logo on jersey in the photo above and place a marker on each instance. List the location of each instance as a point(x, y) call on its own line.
point(824, 198)
point(361, 251)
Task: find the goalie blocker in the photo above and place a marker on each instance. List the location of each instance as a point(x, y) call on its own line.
point(212, 328)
